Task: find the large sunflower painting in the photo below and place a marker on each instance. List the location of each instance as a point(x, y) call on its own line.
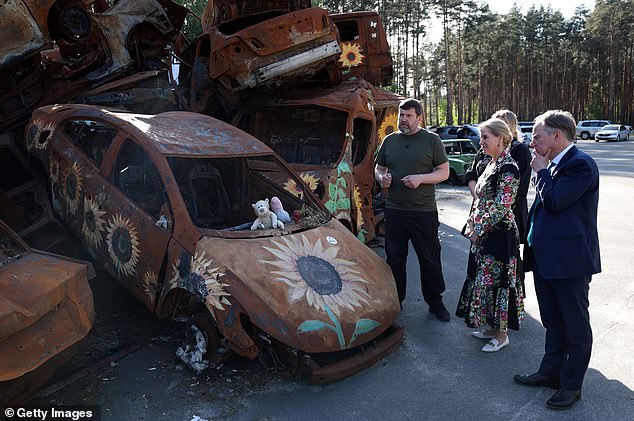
point(351, 55)
point(199, 276)
point(388, 125)
point(72, 187)
point(315, 274)
point(327, 283)
point(123, 245)
point(94, 222)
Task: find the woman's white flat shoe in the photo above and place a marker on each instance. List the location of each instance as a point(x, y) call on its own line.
point(481, 335)
point(494, 345)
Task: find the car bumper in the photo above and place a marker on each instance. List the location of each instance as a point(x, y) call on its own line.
point(290, 64)
point(363, 357)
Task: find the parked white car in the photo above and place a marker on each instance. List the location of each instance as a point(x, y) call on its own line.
point(586, 129)
point(616, 132)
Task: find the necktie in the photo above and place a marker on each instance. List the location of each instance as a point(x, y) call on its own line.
point(529, 236)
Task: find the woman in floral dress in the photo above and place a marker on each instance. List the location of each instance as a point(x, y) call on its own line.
point(492, 293)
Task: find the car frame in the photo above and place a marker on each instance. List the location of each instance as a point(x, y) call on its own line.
point(466, 131)
point(130, 186)
point(460, 153)
point(616, 132)
point(586, 129)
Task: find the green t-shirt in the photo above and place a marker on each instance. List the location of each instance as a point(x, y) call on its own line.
point(403, 155)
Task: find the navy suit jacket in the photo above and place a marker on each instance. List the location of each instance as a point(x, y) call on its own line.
point(564, 218)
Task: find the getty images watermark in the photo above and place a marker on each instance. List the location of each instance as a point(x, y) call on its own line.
point(54, 413)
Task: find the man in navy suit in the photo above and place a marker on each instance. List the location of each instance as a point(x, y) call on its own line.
point(562, 251)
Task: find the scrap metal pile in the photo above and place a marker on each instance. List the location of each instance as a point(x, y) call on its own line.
point(294, 109)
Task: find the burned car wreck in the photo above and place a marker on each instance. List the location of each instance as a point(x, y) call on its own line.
point(46, 307)
point(56, 50)
point(164, 202)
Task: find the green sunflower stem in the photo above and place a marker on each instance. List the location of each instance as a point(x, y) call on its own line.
point(337, 327)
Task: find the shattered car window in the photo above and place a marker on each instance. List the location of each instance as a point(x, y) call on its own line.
point(92, 137)
point(219, 192)
point(136, 176)
point(308, 135)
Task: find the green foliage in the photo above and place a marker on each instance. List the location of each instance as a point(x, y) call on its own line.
point(526, 61)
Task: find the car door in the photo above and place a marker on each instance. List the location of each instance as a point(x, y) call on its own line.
point(75, 174)
point(137, 218)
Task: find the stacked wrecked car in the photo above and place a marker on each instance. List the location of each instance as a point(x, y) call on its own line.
point(276, 107)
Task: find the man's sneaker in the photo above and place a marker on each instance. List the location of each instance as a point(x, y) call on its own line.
point(440, 312)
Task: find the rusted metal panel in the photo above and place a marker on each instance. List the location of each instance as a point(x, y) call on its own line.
point(365, 52)
point(218, 11)
point(19, 31)
point(195, 252)
point(264, 48)
point(46, 305)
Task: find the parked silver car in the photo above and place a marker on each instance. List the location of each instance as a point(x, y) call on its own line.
point(616, 132)
point(586, 129)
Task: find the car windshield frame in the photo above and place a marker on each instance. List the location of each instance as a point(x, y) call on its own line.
point(232, 183)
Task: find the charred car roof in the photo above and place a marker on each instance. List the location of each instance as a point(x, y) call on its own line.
point(175, 133)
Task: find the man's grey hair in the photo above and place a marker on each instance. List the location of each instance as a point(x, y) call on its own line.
point(559, 120)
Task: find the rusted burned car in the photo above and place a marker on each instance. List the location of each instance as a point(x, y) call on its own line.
point(365, 52)
point(263, 49)
point(54, 50)
point(164, 202)
point(328, 136)
point(46, 307)
point(218, 11)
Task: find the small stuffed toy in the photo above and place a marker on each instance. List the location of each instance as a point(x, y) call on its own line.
point(266, 218)
point(276, 206)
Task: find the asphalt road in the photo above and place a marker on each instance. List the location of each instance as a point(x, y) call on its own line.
point(439, 373)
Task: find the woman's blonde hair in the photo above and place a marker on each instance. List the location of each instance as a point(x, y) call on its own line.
point(499, 128)
point(510, 119)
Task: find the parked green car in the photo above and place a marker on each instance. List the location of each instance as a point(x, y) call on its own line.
point(461, 154)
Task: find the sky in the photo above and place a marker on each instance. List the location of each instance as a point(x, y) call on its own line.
point(566, 7)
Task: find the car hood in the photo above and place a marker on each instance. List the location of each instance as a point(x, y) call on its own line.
point(319, 290)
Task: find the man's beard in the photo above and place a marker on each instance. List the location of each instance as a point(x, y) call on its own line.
point(405, 129)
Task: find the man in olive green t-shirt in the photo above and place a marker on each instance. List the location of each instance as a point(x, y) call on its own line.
point(409, 164)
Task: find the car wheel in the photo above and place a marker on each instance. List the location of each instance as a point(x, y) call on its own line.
point(585, 135)
point(618, 138)
point(216, 352)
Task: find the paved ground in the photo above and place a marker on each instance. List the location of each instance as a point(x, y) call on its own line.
point(439, 373)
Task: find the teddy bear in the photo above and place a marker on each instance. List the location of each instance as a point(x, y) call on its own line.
point(276, 206)
point(265, 218)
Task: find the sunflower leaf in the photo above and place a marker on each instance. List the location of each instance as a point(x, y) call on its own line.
point(310, 325)
point(363, 326)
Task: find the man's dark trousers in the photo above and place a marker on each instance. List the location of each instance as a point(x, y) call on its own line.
point(563, 306)
point(422, 229)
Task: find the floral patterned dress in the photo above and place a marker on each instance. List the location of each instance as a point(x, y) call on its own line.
point(492, 292)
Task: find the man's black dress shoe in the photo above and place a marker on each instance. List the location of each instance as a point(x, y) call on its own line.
point(536, 379)
point(563, 399)
point(440, 312)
